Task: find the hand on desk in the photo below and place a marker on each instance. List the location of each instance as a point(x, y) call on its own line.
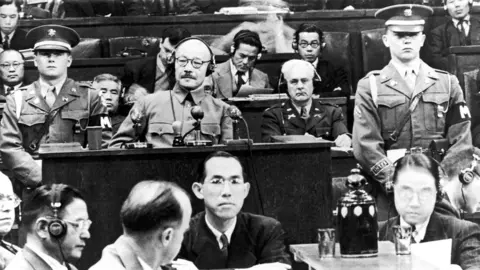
point(343, 141)
point(271, 266)
point(181, 264)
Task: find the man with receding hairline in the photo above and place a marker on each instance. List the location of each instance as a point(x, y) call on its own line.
point(156, 113)
point(154, 217)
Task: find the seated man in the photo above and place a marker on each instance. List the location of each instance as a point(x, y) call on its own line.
point(240, 69)
point(110, 87)
point(148, 75)
point(154, 217)
point(12, 37)
point(55, 219)
point(302, 115)
point(152, 117)
point(12, 71)
point(8, 202)
point(461, 30)
point(462, 183)
point(416, 188)
point(309, 44)
point(224, 237)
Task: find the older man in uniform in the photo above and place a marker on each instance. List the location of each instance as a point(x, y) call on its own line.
point(54, 109)
point(302, 115)
point(407, 104)
point(154, 117)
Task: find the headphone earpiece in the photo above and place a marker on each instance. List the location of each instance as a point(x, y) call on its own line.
point(467, 175)
point(57, 228)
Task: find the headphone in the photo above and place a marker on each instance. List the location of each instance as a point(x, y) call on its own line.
point(470, 2)
point(211, 65)
point(243, 34)
point(57, 228)
point(467, 175)
point(308, 28)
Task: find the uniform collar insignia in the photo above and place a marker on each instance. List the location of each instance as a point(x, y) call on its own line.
point(74, 90)
point(317, 115)
point(289, 109)
point(291, 116)
point(65, 99)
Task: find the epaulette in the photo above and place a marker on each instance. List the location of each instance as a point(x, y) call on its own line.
point(85, 84)
point(328, 104)
point(373, 72)
point(276, 106)
point(441, 71)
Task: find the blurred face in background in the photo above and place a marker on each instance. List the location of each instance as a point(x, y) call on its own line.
point(8, 18)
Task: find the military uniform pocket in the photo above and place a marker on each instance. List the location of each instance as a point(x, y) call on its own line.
point(32, 119)
point(160, 129)
point(210, 129)
point(389, 109)
point(435, 108)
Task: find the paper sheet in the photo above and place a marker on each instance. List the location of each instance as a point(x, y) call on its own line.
point(437, 253)
point(396, 154)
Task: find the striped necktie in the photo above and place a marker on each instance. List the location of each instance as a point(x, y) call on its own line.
point(224, 248)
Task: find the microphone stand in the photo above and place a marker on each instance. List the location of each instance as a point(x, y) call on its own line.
point(197, 141)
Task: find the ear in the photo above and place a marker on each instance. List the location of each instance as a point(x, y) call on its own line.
point(385, 41)
point(246, 190)
point(35, 60)
point(69, 59)
point(41, 228)
point(423, 39)
point(232, 49)
point(197, 189)
point(166, 236)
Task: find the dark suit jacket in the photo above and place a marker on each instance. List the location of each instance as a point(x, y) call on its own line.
point(142, 72)
point(92, 8)
point(224, 83)
point(465, 237)
point(326, 121)
point(18, 41)
point(331, 78)
point(447, 35)
point(29, 260)
point(256, 239)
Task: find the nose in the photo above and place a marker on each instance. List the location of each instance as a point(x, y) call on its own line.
point(107, 95)
point(85, 234)
point(227, 189)
point(415, 201)
point(245, 60)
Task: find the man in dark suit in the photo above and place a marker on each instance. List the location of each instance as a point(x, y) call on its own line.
point(12, 72)
point(12, 37)
point(239, 71)
point(8, 202)
point(148, 75)
point(224, 237)
point(309, 43)
point(110, 87)
point(416, 188)
point(55, 218)
point(461, 30)
point(302, 115)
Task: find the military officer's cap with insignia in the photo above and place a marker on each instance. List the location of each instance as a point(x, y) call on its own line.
point(53, 37)
point(405, 18)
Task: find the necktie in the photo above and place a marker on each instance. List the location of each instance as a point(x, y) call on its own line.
point(414, 233)
point(10, 89)
point(224, 248)
point(462, 32)
point(6, 44)
point(240, 80)
point(50, 96)
point(304, 113)
point(410, 79)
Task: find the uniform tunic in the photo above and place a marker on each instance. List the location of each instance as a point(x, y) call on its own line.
point(441, 113)
point(158, 111)
point(75, 108)
point(325, 120)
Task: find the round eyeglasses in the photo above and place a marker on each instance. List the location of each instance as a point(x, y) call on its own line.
point(305, 44)
point(7, 66)
point(196, 62)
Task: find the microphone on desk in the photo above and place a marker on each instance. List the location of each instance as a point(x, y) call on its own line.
point(236, 115)
point(177, 131)
point(197, 114)
point(137, 118)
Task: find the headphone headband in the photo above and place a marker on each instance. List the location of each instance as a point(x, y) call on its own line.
point(56, 227)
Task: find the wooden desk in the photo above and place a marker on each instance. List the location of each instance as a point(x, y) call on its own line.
point(294, 181)
point(386, 259)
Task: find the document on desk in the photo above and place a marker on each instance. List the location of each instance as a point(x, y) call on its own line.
point(437, 253)
point(247, 90)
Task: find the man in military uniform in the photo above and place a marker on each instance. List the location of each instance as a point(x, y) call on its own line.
point(407, 104)
point(302, 115)
point(153, 117)
point(54, 109)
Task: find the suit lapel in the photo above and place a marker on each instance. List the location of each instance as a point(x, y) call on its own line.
point(205, 245)
point(241, 248)
point(35, 99)
point(453, 36)
point(435, 229)
point(317, 113)
point(390, 77)
point(67, 94)
point(291, 115)
point(225, 79)
point(426, 78)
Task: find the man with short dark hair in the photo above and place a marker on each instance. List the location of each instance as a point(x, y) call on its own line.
point(240, 69)
point(148, 75)
point(309, 44)
point(110, 87)
point(224, 237)
point(154, 217)
point(12, 37)
point(12, 71)
point(56, 221)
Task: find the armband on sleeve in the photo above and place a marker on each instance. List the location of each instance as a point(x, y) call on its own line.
point(458, 113)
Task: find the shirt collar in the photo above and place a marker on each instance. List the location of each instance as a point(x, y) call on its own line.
point(54, 264)
point(234, 70)
point(15, 87)
point(218, 234)
point(9, 36)
point(198, 94)
point(402, 68)
point(144, 265)
point(467, 19)
point(315, 63)
point(44, 86)
point(299, 109)
point(420, 229)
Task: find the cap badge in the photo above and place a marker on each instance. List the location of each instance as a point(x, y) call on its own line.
point(407, 12)
point(65, 99)
point(52, 32)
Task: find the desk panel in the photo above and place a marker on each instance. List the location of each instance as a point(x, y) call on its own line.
point(294, 183)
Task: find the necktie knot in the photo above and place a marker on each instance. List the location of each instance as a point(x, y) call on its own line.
point(10, 89)
point(304, 113)
point(224, 240)
point(50, 96)
point(240, 81)
point(6, 43)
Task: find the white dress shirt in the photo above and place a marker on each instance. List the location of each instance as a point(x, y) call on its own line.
point(420, 229)
point(466, 24)
point(218, 234)
point(245, 77)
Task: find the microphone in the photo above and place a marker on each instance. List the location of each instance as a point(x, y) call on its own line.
point(177, 132)
point(197, 114)
point(236, 115)
point(137, 118)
